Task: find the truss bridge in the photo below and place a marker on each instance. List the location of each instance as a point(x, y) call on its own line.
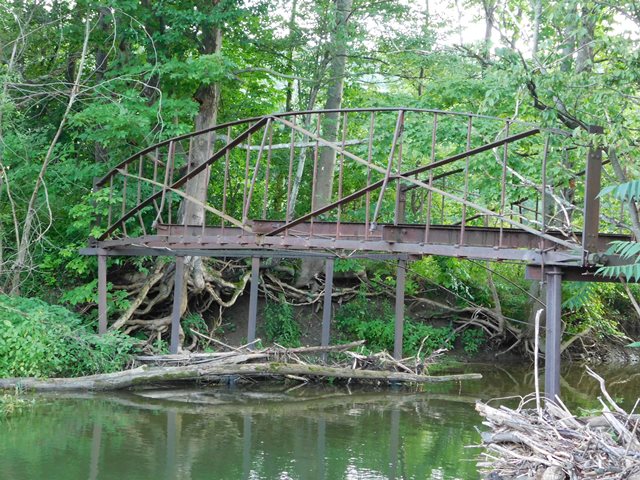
point(388, 183)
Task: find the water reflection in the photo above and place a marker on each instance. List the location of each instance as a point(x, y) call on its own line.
point(96, 440)
point(312, 433)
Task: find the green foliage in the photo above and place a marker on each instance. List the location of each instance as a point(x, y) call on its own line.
point(193, 321)
point(624, 192)
point(152, 84)
point(374, 323)
point(589, 305)
point(280, 325)
point(472, 340)
point(42, 340)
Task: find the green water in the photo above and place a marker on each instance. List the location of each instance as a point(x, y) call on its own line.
point(271, 433)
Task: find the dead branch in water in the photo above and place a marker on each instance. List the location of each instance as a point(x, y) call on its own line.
point(524, 443)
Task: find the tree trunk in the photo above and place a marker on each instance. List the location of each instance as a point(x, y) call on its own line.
point(338, 53)
point(158, 375)
point(585, 32)
point(537, 14)
point(100, 153)
point(208, 96)
point(323, 182)
point(489, 7)
point(26, 238)
point(292, 23)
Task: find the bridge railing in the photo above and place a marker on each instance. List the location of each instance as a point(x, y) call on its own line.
point(367, 167)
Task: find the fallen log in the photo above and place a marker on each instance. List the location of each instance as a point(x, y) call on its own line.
point(145, 375)
point(205, 357)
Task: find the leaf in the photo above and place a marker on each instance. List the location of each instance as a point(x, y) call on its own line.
point(625, 191)
point(634, 345)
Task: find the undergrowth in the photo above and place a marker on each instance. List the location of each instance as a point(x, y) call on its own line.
point(280, 325)
point(42, 340)
point(374, 323)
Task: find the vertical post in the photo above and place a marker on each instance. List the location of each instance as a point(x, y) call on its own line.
point(401, 205)
point(593, 174)
point(326, 306)
point(253, 300)
point(553, 278)
point(102, 294)
point(400, 281)
point(178, 285)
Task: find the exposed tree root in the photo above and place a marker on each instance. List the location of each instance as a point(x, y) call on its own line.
point(208, 282)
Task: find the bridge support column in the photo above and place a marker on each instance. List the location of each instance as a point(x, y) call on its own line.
point(178, 291)
point(326, 306)
point(553, 279)
point(593, 174)
point(102, 294)
point(253, 301)
point(399, 314)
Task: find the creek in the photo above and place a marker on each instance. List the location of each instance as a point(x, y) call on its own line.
point(271, 431)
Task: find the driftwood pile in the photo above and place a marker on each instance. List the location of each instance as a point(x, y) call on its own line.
point(279, 362)
point(553, 444)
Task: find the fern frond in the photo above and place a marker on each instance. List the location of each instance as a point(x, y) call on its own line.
point(630, 272)
point(624, 192)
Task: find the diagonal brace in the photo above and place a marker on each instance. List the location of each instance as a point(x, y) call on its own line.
point(407, 177)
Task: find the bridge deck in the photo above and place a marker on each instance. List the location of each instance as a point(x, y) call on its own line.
point(353, 239)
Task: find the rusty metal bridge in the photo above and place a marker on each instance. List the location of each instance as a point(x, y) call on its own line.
point(396, 183)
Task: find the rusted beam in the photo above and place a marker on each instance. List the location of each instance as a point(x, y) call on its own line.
point(102, 181)
point(326, 306)
point(216, 246)
point(591, 200)
point(571, 274)
point(481, 236)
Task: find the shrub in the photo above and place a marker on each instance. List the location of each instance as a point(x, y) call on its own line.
point(42, 340)
point(374, 323)
point(473, 339)
point(280, 325)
